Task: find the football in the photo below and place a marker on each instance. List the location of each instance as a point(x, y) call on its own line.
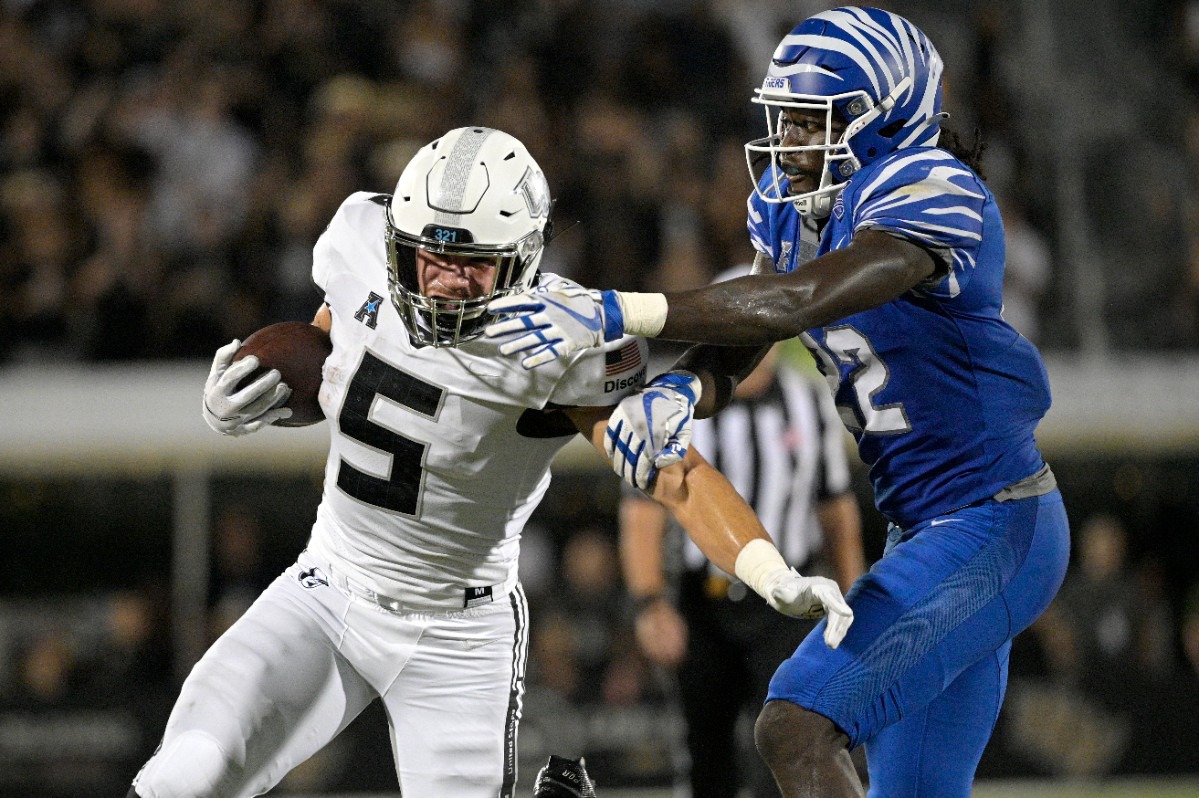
point(298, 350)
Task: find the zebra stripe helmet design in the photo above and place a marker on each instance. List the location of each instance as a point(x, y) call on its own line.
point(874, 69)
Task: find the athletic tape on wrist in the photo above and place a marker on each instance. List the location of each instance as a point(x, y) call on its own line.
point(644, 314)
point(756, 561)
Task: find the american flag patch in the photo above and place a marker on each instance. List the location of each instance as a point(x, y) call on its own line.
point(627, 358)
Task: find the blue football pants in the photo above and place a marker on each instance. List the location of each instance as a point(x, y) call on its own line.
point(921, 675)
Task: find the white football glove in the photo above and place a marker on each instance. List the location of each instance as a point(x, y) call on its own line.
point(547, 324)
point(651, 429)
point(809, 597)
point(760, 566)
point(238, 412)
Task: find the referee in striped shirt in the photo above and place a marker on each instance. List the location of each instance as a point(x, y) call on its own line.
point(782, 446)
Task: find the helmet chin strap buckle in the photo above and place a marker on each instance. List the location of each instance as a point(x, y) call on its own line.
point(819, 206)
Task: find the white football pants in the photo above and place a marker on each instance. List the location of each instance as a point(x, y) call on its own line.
point(307, 658)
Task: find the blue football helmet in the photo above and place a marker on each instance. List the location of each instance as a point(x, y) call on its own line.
point(875, 70)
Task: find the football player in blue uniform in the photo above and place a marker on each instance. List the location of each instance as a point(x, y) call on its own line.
point(901, 309)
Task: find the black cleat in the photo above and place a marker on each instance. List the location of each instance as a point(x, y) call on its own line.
point(563, 778)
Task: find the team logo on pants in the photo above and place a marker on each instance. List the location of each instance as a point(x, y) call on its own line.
point(313, 577)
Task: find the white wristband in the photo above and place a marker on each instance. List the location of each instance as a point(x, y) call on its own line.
point(757, 560)
point(644, 314)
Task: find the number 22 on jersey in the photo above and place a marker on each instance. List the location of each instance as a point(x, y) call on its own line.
point(847, 358)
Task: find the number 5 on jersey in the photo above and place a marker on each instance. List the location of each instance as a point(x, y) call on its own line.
point(400, 491)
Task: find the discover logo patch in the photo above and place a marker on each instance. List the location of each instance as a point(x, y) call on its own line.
point(636, 378)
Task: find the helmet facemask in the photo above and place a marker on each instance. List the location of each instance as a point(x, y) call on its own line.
point(838, 157)
point(437, 321)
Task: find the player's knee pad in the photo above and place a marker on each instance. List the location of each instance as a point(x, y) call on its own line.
point(192, 765)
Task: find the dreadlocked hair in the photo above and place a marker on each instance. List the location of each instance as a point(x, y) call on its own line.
point(970, 154)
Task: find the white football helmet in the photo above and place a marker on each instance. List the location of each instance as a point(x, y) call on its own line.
point(474, 192)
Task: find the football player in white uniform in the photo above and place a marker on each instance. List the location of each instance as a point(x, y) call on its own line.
point(440, 451)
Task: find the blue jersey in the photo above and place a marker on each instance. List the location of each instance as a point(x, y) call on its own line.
point(941, 394)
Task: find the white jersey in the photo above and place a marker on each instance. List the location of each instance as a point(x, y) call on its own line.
point(438, 456)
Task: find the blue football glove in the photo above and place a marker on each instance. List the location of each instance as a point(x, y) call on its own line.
point(548, 323)
point(651, 429)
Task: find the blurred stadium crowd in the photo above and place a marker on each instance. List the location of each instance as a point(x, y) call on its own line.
point(167, 165)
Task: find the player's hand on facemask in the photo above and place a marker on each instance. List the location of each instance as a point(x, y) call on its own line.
point(544, 325)
point(230, 411)
point(651, 429)
point(809, 597)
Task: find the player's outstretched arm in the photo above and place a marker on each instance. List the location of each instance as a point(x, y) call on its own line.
point(875, 268)
point(731, 536)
